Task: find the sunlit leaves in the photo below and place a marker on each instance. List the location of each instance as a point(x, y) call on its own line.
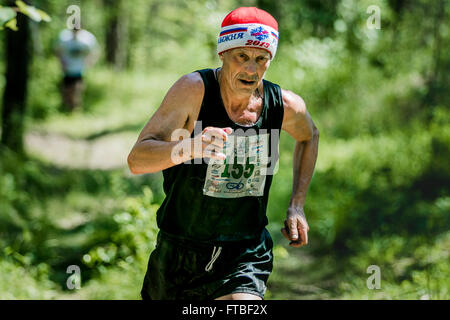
point(32, 12)
point(12, 24)
point(8, 15)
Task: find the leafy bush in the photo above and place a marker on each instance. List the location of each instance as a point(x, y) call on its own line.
point(414, 268)
point(19, 279)
point(133, 238)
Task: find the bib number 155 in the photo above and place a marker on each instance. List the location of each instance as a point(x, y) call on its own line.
point(237, 170)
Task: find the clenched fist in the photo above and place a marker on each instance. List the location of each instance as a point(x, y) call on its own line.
point(295, 227)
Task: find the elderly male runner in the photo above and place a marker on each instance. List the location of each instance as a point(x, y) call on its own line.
point(212, 242)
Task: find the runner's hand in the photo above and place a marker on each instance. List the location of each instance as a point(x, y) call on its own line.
point(295, 227)
point(212, 141)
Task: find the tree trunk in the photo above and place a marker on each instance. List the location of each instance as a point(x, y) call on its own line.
point(117, 35)
point(17, 56)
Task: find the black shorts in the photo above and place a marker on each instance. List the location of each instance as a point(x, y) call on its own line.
point(176, 269)
point(70, 80)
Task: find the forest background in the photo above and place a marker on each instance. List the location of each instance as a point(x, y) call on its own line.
point(374, 75)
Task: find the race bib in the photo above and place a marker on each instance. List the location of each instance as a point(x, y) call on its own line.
point(243, 172)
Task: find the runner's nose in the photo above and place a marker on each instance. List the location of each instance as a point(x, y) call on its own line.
point(250, 68)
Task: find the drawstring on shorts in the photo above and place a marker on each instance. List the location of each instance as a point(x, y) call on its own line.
point(215, 254)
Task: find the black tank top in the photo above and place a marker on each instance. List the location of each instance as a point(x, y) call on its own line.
point(218, 203)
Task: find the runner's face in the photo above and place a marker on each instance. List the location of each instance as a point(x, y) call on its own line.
point(244, 68)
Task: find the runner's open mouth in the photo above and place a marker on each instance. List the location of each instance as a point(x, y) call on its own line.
point(246, 82)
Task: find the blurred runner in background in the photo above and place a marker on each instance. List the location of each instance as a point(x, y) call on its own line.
point(76, 49)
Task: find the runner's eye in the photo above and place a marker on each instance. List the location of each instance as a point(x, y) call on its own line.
point(243, 56)
point(261, 59)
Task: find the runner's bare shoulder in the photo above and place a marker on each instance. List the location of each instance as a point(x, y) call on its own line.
point(178, 110)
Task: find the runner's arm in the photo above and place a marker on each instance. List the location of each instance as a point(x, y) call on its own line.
point(162, 145)
point(298, 123)
point(153, 149)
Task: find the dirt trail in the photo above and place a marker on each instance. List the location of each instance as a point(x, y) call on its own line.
point(106, 152)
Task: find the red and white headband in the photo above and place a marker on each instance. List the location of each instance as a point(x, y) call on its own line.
point(248, 27)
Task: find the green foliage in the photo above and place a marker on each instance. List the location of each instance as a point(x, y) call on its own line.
point(8, 15)
point(380, 192)
point(414, 268)
point(135, 235)
point(371, 184)
point(122, 282)
point(44, 227)
point(29, 282)
point(32, 12)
